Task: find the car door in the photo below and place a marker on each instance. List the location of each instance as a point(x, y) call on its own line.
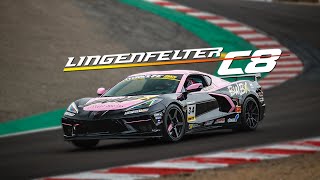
point(198, 103)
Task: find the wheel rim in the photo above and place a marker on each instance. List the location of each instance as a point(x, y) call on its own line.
point(252, 114)
point(175, 123)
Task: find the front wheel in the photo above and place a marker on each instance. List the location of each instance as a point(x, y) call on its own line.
point(174, 124)
point(85, 143)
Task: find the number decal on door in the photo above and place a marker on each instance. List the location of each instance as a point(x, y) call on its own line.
point(191, 111)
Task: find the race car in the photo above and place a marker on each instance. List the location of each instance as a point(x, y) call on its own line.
point(164, 105)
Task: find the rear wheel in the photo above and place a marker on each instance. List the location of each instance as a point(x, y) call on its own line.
point(85, 143)
point(250, 114)
point(174, 124)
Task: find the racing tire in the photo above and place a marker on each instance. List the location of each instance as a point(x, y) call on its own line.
point(85, 144)
point(174, 125)
point(250, 115)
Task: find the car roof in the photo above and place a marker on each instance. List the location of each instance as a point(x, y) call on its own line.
point(184, 72)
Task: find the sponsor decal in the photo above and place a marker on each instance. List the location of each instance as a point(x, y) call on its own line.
point(208, 123)
point(158, 117)
point(208, 88)
point(68, 113)
point(217, 121)
point(191, 126)
point(238, 109)
point(239, 88)
point(104, 100)
point(260, 94)
point(136, 111)
point(111, 99)
point(96, 106)
point(263, 60)
point(191, 112)
point(169, 77)
point(147, 97)
point(152, 76)
point(235, 119)
point(220, 121)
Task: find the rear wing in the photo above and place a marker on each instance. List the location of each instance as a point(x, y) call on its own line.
point(236, 77)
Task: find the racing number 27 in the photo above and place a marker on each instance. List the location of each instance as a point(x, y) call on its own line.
point(270, 61)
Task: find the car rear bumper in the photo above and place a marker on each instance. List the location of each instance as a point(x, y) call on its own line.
point(263, 111)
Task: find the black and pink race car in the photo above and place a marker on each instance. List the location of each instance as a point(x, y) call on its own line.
point(164, 105)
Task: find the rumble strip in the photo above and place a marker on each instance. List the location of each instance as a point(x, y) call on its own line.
point(287, 67)
point(190, 164)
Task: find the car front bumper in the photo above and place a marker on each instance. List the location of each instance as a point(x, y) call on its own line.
point(143, 126)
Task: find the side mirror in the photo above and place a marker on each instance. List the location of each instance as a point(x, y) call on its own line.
point(194, 87)
point(101, 91)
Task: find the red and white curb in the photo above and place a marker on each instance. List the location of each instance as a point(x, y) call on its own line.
point(287, 66)
point(190, 164)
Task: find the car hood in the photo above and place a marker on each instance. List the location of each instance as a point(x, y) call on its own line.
point(115, 103)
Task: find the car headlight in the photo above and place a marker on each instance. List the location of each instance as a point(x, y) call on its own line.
point(72, 108)
point(145, 104)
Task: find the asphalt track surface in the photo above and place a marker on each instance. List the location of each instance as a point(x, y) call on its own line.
point(291, 107)
point(38, 37)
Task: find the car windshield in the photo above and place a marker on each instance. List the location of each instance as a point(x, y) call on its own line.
point(146, 85)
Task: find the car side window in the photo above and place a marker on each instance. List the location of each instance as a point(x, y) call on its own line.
point(195, 79)
point(208, 80)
